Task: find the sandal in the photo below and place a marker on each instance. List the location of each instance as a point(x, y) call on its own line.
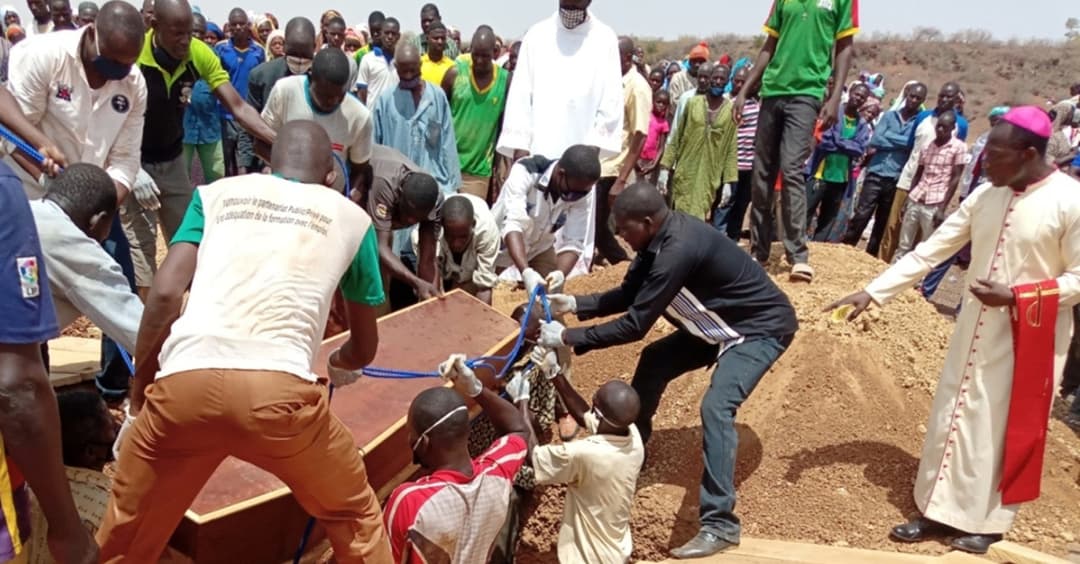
point(802, 272)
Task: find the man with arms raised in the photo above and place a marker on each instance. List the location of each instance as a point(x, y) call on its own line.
point(237, 364)
point(454, 513)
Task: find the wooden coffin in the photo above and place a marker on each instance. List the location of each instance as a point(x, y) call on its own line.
point(244, 514)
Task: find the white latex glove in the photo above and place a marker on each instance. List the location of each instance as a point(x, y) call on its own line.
point(725, 196)
point(341, 377)
point(555, 281)
point(146, 191)
point(125, 428)
point(518, 389)
point(551, 334)
point(662, 180)
point(562, 304)
point(549, 366)
point(537, 354)
point(464, 379)
point(532, 279)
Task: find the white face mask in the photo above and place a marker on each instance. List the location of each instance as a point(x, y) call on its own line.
point(298, 65)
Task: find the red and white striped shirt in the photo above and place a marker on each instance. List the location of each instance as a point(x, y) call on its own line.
point(448, 517)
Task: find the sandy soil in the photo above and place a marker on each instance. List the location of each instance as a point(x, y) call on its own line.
point(829, 442)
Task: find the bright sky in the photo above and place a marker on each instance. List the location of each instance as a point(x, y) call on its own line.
point(511, 18)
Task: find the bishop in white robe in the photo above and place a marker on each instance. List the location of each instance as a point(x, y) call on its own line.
point(1024, 227)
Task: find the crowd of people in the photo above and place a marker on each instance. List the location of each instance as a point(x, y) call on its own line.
point(367, 169)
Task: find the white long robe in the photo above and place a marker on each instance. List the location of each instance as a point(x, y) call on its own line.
point(567, 90)
point(1016, 239)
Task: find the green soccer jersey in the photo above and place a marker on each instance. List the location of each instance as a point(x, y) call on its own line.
point(837, 166)
point(476, 116)
point(806, 32)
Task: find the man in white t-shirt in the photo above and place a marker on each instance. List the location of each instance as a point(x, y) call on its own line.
point(262, 255)
point(600, 471)
point(377, 72)
point(322, 97)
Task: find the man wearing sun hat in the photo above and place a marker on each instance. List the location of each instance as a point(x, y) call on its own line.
point(987, 430)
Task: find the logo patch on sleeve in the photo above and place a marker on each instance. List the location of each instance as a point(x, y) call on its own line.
point(29, 282)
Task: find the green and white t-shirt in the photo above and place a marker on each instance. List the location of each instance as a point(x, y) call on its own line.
point(271, 253)
point(806, 32)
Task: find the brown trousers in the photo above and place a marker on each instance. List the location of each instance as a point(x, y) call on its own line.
point(193, 420)
point(891, 238)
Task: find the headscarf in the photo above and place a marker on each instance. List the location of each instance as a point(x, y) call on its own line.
point(4, 11)
point(257, 21)
point(874, 81)
point(898, 102)
point(998, 111)
point(1063, 114)
point(744, 61)
point(352, 36)
point(277, 33)
point(213, 28)
point(329, 14)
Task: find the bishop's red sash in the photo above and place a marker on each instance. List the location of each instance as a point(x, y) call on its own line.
point(1034, 319)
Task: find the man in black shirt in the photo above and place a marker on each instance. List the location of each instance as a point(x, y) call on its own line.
point(728, 312)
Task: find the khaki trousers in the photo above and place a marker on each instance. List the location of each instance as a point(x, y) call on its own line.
point(475, 185)
point(193, 420)
point(891, 238)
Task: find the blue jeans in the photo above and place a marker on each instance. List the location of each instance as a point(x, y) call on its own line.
point(735, 376)
point(114, 379)
point(933, 280)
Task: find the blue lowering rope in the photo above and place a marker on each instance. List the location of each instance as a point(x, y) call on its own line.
point(481, 362)
point(486, 362)
point(126, 358)
point(344, 173)
point(21, 145)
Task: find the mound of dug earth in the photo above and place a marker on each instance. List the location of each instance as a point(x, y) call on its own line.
point(829, 441)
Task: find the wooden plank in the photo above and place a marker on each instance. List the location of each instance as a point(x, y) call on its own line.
point(762, 551)
point(957, 557)
point(73, 360)
point(244, 514)
point(1008, 552)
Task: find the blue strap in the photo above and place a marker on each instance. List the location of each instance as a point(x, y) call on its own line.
point(482, 362)
point(21, 145)
point(485, 362)
point(126, 358)
point(344, 173)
